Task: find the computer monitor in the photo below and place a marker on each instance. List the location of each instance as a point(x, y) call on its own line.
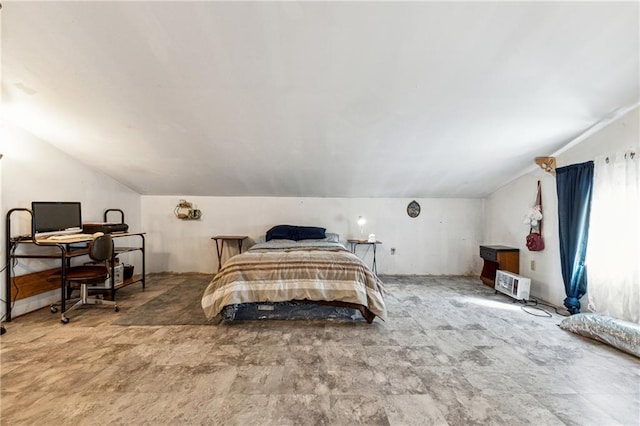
point(55, 217)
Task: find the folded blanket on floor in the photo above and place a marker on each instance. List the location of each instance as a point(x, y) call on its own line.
point(623, 335)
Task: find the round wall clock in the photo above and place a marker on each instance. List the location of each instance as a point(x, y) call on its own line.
point(413, 209)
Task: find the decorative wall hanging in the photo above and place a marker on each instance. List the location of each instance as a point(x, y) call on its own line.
point(534, 219)
point(185, 211)
point(548, 164)
point(413, 209)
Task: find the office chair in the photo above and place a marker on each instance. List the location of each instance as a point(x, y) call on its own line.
point(100, 250)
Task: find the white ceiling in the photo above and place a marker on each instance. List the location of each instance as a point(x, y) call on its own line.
point(317, 99)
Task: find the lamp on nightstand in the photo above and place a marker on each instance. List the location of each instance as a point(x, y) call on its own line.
point(361, 222)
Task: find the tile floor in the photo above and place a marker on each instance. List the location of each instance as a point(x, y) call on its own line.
point(451, 353)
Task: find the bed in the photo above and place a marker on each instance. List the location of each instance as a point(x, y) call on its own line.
point(295, 273)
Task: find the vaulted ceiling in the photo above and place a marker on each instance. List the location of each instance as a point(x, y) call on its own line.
point(338, 99)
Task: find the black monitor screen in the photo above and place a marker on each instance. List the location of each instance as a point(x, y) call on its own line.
point(55, 216)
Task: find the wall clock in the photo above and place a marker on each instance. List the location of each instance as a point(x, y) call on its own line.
point(413, 209)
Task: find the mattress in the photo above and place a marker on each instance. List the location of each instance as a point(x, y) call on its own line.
point(283, 270)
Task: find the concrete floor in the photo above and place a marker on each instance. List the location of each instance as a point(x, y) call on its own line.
point(451, 352)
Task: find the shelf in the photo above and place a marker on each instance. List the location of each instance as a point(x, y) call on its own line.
point(54, 251)
point(119, 250)
point(129, 281)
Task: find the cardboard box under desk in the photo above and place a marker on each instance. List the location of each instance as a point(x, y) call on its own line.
point(118, 273)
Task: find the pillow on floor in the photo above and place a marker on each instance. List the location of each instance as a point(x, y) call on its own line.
point(623, 335)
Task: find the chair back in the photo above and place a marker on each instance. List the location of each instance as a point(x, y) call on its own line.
point(101, 248)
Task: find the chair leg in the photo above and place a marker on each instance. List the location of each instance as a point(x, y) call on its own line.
point(75, 306)
point(86, 300)
point(55, 306)
point(97, 301)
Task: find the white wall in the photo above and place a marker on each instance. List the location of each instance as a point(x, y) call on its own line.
point(443, 239)
point(33, 170)
point(505, 208)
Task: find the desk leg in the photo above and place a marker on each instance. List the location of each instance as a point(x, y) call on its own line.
point(112, 278)
point(240, 246)
point(63, 283)
point(144, 272)
point(8, 273)
point(63, 292)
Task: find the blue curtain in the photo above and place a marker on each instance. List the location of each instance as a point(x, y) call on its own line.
point(574, 184)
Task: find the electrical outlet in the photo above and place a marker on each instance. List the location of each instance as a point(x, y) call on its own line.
point(533, 265)
point(393, 251)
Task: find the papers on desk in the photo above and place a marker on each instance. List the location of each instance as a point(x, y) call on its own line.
point(68, 238)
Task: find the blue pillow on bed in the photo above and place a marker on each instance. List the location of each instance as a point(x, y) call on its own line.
point(291, 232)
point(282, 232)
point(310, 233)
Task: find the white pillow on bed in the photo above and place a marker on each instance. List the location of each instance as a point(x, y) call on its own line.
point(330, 238)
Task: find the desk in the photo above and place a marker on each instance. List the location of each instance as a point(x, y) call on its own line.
point(355, 243)
point(223, 238)
point(65, 251)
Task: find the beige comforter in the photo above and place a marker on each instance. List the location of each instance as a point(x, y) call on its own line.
point(280, 271)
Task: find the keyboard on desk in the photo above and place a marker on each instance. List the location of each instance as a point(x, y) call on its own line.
point(69, 237)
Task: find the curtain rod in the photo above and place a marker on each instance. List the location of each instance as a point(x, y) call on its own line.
point(628, 154)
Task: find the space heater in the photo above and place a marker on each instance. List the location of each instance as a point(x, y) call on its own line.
point(513, 285)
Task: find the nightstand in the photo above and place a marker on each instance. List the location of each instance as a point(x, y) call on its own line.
point(498, 257)
point(223, 238)
point(353, 244)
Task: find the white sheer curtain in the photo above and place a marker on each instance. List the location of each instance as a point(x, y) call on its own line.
point(613, 253)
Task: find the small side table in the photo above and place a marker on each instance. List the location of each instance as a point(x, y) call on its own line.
point(498, 257)
point(355, 243)
point(223, 238)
